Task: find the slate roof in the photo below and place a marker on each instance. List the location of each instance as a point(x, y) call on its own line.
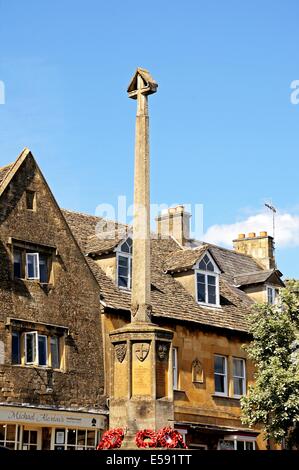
point(181, 260)
point(169, 298)
point(84, 228)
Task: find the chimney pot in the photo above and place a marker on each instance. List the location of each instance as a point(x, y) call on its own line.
point(252, 235)
point(263, 234)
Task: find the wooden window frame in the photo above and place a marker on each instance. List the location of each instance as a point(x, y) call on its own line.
point(23, 353)
point(129, 257)
point(225, 375)
point(175, 368)
point(25, 253)
point(239, 377)
point(205, 273)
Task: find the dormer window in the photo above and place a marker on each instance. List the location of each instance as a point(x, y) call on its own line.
point(124, 264)
point(207, 281)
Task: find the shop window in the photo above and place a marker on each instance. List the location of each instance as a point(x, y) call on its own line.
point(10, 436)
point(75, 439)
point(237, 443)
point(29, 439)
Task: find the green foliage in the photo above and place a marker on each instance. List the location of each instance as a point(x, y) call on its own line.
point(273, 401)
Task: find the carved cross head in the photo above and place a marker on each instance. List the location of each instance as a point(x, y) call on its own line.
point(143, 83)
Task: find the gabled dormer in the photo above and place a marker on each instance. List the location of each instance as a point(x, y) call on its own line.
point(206, 276)
point(114, 256)
point(124, 264)
point(199, 273)
point(262, 286)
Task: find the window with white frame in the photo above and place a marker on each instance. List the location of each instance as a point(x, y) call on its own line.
point(207, 281)
point(31, 265)
point(10, 436)
point(33, 348)
point(220, 375)
point(175, 370)
point(237, 443)
point(272, 294)
point(76, 439)
point(239, 377)
point(124, 264)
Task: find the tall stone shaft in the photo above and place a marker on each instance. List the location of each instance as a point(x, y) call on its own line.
point(141, 362)
point(140, 87)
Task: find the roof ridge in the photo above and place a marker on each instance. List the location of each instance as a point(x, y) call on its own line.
point(255, 272)
point(231, 250)
point(82, 213)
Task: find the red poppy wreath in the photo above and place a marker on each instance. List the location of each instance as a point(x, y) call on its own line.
point(111, 439)
point(146, 438)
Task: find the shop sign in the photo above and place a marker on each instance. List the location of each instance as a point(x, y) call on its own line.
point(51, 418)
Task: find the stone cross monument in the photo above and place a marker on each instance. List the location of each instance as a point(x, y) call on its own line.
point(141, 395)
point(140, 87)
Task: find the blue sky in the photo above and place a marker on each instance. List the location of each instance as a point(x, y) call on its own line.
point(224, 132)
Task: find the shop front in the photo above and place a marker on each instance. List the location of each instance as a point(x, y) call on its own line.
point(212, 437)
point(47, 429)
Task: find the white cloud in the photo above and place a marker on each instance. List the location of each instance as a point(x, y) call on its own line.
point(286, 231)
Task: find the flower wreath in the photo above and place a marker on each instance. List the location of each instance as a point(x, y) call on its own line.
point(170, 438)
point(146, 438)
point(111, 439)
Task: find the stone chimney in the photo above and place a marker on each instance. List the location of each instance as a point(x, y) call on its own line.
point(260, 247)
point(175, 222)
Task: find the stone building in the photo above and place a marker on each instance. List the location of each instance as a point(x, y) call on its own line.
point(155, 325)
point(203, 294)
point(57, 277)
point(51, 352)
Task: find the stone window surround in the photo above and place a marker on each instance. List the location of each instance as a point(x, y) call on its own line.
point(30, 200)
point(22, 245)
point(26, 326)
point(229, 379)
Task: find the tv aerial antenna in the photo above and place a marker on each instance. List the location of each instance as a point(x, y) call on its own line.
point(273, 209)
